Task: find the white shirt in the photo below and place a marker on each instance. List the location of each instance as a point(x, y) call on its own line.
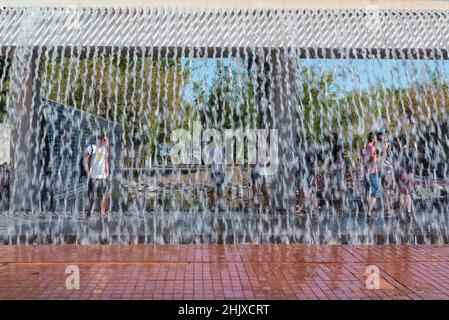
point(97, 166)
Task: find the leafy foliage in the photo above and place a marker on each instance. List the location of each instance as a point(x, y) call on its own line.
point(143, 95)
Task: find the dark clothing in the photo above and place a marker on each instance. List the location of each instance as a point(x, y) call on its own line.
point(218, 178)
point(336, 168)
point(305, 175)
point(337, 154)
point(404, 157)
point(4, 186)
point(98, 187)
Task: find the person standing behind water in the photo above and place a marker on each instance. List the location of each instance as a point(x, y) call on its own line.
point(97, 166)
point(370, 156)
point(386, 170)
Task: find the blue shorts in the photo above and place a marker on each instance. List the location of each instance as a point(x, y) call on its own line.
point(373, 185)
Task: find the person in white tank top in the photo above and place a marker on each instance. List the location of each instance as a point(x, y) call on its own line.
point(97, 166)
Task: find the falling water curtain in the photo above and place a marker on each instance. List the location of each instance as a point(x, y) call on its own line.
point(140, 74)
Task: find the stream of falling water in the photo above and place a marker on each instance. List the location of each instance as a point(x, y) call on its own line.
point(316, 113)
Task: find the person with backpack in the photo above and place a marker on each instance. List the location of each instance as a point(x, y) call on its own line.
point(97, 168)
point(371, 157)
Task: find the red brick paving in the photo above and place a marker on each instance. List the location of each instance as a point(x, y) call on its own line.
point(224, 271)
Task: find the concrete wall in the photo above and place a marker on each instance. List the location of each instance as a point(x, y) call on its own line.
point(291, 4)
point(5, 137)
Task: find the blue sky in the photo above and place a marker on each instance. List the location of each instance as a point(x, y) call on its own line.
point(351, 74)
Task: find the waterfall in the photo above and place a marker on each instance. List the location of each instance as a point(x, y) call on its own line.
point(223, 126)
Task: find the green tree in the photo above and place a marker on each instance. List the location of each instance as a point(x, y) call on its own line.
point(143, 94)
point(317, 103)
point(230, 100)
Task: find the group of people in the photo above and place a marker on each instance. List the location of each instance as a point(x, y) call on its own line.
point(308, 178)
point(385, 167)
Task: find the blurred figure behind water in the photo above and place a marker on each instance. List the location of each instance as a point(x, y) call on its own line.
point(307, 164)
point(336, 184)
point(403, 173)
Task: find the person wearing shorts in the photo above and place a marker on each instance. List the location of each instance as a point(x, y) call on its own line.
point(98, 188)
point(97, 166)
point(371, 172)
